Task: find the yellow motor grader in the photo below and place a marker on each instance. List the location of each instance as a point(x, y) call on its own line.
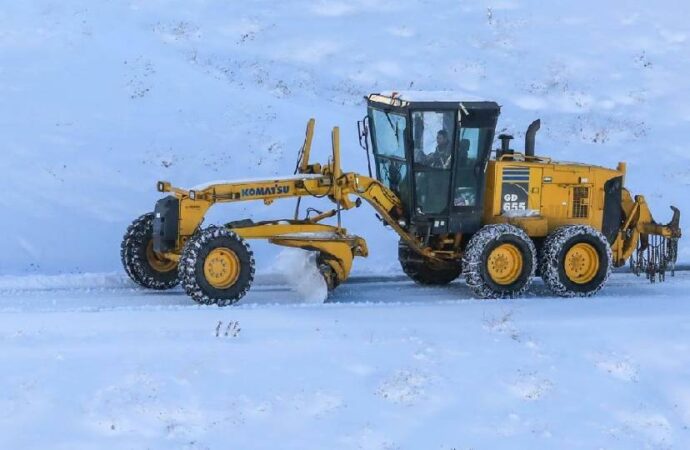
point(499, 221)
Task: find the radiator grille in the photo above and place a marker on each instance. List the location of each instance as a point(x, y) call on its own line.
point(580, 202)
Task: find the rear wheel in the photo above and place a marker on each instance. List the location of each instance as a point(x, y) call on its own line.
point(216, 267)
point(499, 261)
point(424, 272)
point(576, 261)
point(141, 263)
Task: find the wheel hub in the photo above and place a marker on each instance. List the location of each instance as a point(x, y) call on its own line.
point(221, 268)
point(158, 262)
point(581, 263)
point(505, 264)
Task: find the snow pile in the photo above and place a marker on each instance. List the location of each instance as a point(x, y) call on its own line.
point(299, 270)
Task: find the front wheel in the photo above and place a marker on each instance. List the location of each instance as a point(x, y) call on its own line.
point(216, 267)
point(576, 261)
point(499, 261)
point(141, 263)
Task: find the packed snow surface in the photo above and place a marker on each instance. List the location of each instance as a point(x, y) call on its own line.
point(385, 365)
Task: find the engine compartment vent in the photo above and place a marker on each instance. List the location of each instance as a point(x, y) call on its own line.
point(580, 202)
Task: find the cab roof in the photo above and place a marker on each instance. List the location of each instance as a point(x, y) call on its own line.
point(431, 99)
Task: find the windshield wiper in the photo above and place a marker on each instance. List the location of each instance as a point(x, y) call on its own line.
point(393, 127)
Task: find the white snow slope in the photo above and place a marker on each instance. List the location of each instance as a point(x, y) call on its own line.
point(96, 364)
point(102, 98)
point(99, 99)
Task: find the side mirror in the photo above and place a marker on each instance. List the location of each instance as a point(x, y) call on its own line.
point(363, 132)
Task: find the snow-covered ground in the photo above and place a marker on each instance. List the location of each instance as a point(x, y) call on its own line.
point(100, 99)
point(91, 362)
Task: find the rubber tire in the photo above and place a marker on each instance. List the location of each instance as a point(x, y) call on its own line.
point(476, 256)
point(191, 268)
point(426, 274)
point(134, 260)
point(126, 252)
point(552, 265)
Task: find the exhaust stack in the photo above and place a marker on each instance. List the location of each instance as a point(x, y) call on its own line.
point(505, 145)
point(529, 137)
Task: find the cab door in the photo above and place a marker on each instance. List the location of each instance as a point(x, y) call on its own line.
point(433, 142)
point(472, 150)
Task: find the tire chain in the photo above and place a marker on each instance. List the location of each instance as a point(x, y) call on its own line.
point(548, 264)
point(188, 260)
point(125, 247)
point(472, 259)
point(136, 239)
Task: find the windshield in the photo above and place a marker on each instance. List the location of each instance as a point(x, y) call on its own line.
point(390, 133)
point(388, 141)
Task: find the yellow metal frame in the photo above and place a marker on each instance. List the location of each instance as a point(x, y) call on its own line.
point(312, 180)
point(551, 197)
point(638, 225)
point(552, 200)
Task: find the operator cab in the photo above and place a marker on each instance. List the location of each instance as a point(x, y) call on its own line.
point(433, 154)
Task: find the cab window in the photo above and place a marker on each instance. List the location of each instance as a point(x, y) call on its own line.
point(469, 165)
point(433, 156)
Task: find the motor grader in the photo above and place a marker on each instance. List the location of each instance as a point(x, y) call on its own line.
point(499, 218)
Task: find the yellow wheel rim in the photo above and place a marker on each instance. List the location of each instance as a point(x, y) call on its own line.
point(221, 268)
point(505, 264)
point(581, 263)
point(158, 262)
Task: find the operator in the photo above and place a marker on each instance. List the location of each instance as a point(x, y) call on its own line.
point(440, 158)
